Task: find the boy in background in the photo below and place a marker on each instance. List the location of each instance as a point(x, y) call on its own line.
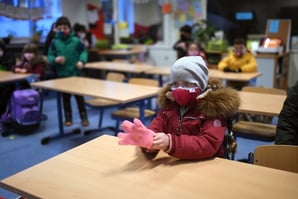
point(241, 60)
point(68, 55)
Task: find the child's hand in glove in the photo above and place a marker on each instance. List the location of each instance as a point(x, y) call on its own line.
point(135, 134)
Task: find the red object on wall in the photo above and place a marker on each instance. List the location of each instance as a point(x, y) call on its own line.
point(95, 22)
point(166, 8)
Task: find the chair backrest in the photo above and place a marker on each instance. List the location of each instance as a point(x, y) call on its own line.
point(143, 81)
point(284, 157)
point(114, 76)
point(275, 91)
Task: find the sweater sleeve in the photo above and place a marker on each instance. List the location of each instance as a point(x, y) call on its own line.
point(223, 63)
point(251, 65)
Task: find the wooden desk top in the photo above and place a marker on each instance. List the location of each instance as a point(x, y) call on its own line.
point(261, 103)
point(101, 168)
point(7, 76)
point(132, 51)
point(118, 91)
point(159, 70)
point(119, 66)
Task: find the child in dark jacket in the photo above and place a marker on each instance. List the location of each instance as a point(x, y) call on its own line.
point(68, 55)
point(193, 115)
point(7, 60)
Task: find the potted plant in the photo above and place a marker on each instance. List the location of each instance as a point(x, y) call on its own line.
point(203, 32)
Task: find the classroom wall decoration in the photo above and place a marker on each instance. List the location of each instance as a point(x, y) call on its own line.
point(187, 11)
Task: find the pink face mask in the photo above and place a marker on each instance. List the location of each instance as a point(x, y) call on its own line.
point(193, 52)
point(28, 56)
point(185, 96)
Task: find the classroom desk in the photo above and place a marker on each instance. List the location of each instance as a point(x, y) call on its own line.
point(121, 92)
point(119, 66)
point(101, 168)
point(118, 53)
point(261, 103)
point(245, 77)
point(7, 76)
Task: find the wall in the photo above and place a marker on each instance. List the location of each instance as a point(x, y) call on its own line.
point(263, 10)
point(75, 10)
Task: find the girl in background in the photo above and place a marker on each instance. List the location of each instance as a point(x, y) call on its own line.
point(32, 62)
point(195, 49)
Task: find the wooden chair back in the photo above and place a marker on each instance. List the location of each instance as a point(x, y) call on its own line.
point(114, 76)
point(284, 157)
point(143, 81)
point(275, 91)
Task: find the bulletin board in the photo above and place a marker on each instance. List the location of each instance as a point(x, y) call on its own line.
point(279, 28)
point(188, 11)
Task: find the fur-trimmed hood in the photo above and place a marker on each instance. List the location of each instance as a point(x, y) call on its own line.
point(216, 101)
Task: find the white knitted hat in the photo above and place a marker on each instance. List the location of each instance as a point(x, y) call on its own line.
point(190, 69)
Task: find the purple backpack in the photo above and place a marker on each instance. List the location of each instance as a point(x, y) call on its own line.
point(23, 108)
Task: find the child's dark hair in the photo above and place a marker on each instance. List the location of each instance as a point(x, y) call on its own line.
point(63, 21)
point(186, 28)
point(79, 28)
point(239, 41)
point(31, 48)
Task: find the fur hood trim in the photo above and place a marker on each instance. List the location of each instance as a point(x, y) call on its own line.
point(216, 101)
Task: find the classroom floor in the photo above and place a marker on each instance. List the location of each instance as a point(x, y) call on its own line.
point(18, 152)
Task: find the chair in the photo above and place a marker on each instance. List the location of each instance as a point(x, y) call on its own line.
point(104, 103)
point(284, 157)
point(130, 113)
point(257, 130)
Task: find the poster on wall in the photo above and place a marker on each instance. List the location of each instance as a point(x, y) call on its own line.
point(95, 20)
point(187, 12)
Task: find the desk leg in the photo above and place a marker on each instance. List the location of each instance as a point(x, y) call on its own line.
point(61, 133)
point(160, 80)
point(142, 110)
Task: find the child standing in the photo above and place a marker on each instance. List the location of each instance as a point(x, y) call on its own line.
point(68, 55)
point(193, 117)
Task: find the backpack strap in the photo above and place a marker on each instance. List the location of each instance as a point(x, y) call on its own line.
point(6, 116)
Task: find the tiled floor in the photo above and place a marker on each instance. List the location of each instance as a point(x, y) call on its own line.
point(18, 152)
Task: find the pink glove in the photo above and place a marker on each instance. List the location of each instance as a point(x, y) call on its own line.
point(135, 134)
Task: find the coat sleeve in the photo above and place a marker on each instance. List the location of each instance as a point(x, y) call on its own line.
point(224, 63)
point(207, 144)
point(287, 126)
point(52, 53)
point(83, 54)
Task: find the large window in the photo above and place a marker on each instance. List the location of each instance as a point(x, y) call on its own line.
point(23, 18)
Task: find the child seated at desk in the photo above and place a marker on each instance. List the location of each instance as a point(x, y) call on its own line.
point(32, 62)
point(193, 115)
point(240, 60)
point(195, 49)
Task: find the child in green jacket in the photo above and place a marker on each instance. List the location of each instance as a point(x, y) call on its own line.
point(68, 55)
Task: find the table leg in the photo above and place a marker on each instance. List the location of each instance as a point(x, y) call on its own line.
point(142, 110)
point(160, 80)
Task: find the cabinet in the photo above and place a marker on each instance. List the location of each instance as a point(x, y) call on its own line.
point(275, 69)
point(162, 56)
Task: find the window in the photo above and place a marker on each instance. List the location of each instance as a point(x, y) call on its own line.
point(23, 18)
